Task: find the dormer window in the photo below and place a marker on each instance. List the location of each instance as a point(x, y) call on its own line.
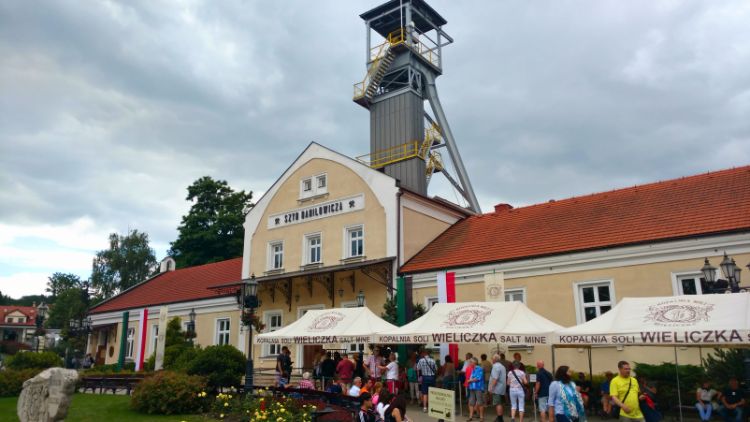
point(311, 187)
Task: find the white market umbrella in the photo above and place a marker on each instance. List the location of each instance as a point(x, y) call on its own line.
point(510, 323)
point(706, 320)
point(329, 326)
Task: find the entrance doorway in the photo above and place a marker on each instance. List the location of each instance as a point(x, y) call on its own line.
point(305, 355)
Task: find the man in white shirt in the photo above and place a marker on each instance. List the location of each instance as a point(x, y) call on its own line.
point(356, 386)
point(391, 375)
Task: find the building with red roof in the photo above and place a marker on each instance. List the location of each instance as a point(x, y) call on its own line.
point(571, 260)
point(17, 323)
point(176, 291)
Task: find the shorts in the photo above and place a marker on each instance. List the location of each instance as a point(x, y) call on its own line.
point(427, 382)
point(392, 387)
point(541, 403)
point(476, 397)
point(624, 419)
point(497, 399)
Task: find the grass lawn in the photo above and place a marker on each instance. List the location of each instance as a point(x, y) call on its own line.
point(97, 407)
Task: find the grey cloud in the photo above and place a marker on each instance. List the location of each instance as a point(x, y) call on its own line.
point(111, 109)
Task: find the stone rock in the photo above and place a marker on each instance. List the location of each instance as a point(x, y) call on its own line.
point(46, 397)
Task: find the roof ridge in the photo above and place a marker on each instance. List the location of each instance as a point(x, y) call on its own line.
point(623, 189)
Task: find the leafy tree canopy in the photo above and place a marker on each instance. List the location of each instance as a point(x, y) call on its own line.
point(390, 311)
point(59, 282)
point(69, 304)
point(212, 230)
point(128, 261)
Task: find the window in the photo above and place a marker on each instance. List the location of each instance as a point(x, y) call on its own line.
point(130, 342)
point(313, 186)
point(355, 240)
point(594, 299)
point(690, 284)
point(515, 295)
point(273, 322)
point(276, 261)
point(222, 331)
point(313, 249)
point(154, 337)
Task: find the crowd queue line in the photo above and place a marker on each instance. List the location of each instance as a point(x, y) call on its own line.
point(384, 388)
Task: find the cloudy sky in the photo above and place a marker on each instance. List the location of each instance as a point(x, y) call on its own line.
point(109, 110)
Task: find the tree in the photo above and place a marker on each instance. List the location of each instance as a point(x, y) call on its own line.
point(723, 364)
point(390, 312)
point(212, 230)
point(60, 282)
point(70, 304)
point(128, 261)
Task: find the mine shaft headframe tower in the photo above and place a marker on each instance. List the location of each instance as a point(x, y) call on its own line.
point(401, 73)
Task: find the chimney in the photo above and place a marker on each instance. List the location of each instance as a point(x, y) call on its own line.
point(167, 264)
point(503, 207)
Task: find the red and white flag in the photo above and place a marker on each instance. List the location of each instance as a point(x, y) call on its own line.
point(446, 287)
point(142, 331)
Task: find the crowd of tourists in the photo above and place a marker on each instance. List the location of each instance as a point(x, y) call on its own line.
point(384, 388)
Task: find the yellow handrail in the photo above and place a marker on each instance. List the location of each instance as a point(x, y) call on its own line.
point(391, 155)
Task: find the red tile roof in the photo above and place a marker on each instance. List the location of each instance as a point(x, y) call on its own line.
point(175, 286)
point(704, 204)
point(29, 311)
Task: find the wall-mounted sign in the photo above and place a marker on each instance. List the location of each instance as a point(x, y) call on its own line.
point(314, 212)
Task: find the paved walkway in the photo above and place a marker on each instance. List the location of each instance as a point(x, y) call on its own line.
point(415, 414)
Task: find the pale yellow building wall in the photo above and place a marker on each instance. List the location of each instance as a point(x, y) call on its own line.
point(552, 296)
point(419, 230)
point(342, 182)
point(375, 296)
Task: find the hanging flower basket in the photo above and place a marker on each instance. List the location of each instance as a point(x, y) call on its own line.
point(252, 320)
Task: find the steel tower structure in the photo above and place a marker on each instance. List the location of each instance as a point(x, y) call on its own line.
point(401, 73)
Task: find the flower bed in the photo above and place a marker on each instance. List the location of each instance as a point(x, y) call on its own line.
point(266, 407)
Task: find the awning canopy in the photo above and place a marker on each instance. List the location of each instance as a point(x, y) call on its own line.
point(510, 323)
point(706, 320)
point(330, 326)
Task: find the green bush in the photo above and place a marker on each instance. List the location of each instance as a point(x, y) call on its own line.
point(723, 364)
point(223, 366)
point(32, 360)
point(179, 356)
point(169, 393)
point(11, 381)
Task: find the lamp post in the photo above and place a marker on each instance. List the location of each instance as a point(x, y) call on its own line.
point(248, 301)
point(41, 313)
point(731, 281)
point(191, 325)
point(360, 299)
point(729, 284)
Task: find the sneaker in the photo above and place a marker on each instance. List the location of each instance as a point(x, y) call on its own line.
point(424, 409)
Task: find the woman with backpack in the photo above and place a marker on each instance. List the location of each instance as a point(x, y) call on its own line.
point(565, 402)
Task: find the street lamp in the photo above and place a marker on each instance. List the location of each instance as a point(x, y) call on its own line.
point(191, 325)
point(248, 301)
point(361, 299)
point(732, 276)
point(729, 284)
